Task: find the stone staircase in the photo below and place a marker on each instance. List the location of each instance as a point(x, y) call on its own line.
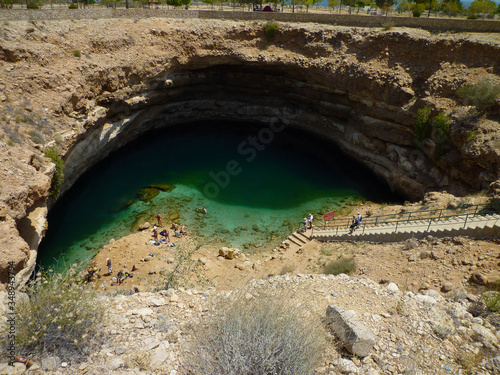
point(481, 226)
point(297, 240)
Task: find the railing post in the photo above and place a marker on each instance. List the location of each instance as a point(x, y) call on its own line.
point(376, 220)
point(364, 226)
point(475, 211)
point(409, 217)
point(466, 217)
point(337, 232)
point(429, 227)
point(440, 214)
point(396, 230)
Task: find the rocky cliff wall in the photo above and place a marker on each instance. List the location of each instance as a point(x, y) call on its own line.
point(91, 86)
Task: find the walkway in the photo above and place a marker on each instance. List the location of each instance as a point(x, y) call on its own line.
point(481, 226)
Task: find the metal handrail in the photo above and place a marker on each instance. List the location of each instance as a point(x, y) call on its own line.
point(416, 216)
point(431, 223)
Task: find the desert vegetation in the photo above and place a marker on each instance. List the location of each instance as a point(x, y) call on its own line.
point(258, 335)
point(57, 314)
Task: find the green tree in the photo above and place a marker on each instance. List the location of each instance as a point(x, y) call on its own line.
point(385, 5)
point(308, 3)
point(179, 3)
point(483, 7)
point(333, 3)
point(405, 6)
point(452, 7)
point(6, 4)
point(211, 2)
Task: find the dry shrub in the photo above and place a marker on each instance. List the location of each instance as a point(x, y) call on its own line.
point(140, 360)
point(257, 336)
point(469, 362)
point(58, 314)
point(344, 265)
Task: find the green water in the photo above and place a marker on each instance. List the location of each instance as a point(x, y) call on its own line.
point(255, 193)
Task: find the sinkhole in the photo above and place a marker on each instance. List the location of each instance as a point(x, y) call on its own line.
point(256, 181)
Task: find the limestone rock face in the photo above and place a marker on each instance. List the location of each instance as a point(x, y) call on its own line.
point(356, 337)
point(358, 88)
point(24, 184)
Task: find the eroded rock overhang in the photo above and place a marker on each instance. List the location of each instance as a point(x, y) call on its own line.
point(378, 133)
point(358, 88)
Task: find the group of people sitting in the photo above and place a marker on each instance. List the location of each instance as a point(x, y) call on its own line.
point(179, 230)
point(356, 222)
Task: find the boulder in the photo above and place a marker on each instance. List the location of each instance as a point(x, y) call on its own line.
point(144, 226)
point(478, 278)
point(355, 337)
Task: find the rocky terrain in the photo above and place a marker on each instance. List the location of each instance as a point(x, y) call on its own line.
point(149, 333)
point(90, 86)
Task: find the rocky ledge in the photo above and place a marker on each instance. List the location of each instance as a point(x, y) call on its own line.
point(148, 333)
point(91, 86)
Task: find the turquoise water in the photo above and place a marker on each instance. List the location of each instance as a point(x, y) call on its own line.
point(256, 190)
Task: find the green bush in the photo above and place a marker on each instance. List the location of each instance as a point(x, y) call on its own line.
point(417, 13)
point(73, 6)
point(441, 127)
point(481, 95)
point(492, 301)
point(270, 29)
point(423, 127)
point(58, 176)
point(440, 134)
point(77, 53)
point(57, 315)
point(472, 17)
point(33, 5)
point(261, 335)
point(344, 265)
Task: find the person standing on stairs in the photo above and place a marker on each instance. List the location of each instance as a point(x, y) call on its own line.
point(310, 219)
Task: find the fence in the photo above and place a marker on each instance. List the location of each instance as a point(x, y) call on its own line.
point(358, 20)
point(416, 217)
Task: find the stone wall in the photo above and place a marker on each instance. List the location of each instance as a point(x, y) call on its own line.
point(438, 24)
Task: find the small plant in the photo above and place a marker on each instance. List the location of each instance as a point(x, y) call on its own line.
point(481, 95)
point(400, 308)
point(327, 252)
point(387, 25)
point(73, 6)
point(270, 29)
point(417, 13)
point(472, 136)
point(469, 362)
point(258, 335)
point(287, 269)
point(491, 300)
point(59, 315)
point(184, 264)
point(441, 128)
point(423, 127)
point(344, 265)
point(77, 53)
point(36, 137)
point(472, 17)
point(442, 332)
point(58, 176)
point(140, 360)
